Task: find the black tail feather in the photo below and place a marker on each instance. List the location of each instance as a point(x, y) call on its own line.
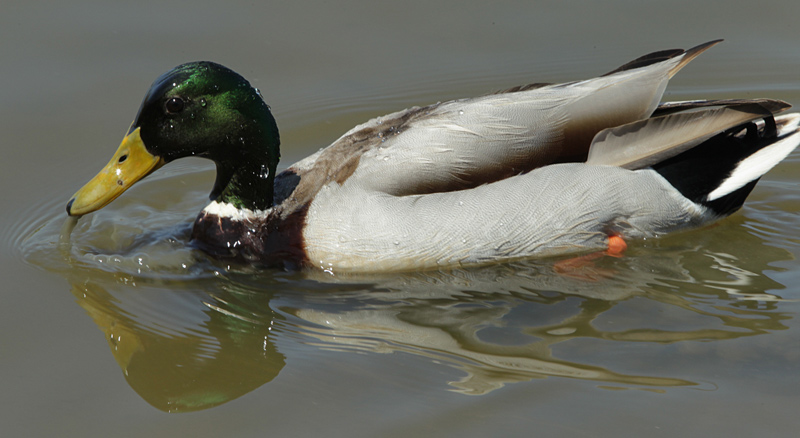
point(700, 170)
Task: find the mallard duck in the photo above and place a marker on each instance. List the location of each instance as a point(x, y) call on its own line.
point(535, 170)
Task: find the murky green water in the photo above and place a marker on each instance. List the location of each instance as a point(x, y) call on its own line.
point(112, 321)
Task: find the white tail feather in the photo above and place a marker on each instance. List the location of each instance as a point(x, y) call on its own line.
point(756, 165)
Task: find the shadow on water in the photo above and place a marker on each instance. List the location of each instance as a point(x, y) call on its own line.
point(189, 334)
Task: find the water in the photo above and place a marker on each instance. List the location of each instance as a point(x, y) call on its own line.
point(111, 321)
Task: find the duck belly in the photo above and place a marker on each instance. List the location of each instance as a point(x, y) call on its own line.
point(558, 209)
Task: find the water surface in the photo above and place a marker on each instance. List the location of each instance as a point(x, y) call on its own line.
point(111, 322)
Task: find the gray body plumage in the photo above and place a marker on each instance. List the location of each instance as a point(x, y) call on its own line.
point(552, 210)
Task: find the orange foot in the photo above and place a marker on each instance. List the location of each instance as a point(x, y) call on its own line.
point(616, 246)
point(583, 267)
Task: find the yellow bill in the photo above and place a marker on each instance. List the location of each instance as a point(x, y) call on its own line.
point(129, 164)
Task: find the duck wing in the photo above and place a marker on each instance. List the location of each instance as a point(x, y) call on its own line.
point(678, 127)
point(465, 143)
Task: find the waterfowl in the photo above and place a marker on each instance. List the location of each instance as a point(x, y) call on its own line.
point(535, 170)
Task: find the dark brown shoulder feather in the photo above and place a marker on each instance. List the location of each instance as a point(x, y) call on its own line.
point(295, 188)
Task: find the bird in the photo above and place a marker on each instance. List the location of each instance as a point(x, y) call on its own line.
point(538, 170)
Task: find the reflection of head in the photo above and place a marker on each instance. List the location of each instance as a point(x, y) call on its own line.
point(206, 356)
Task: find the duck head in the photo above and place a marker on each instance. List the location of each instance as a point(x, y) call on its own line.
point(198, 109)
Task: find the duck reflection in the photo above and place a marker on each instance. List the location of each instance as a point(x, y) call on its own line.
point(191, 344)
point(187, 350)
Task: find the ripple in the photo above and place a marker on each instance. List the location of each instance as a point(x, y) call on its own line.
point(143, 233)
point(27, 223)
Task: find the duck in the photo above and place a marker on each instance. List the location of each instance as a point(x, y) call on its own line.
point(539, 170)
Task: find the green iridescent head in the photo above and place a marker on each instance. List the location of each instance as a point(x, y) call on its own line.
point(196, 109)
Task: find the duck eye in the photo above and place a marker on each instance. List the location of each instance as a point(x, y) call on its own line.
point(174, 105)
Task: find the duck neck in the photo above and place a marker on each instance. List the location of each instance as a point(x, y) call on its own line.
point(247, 180)
point(248, 186)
